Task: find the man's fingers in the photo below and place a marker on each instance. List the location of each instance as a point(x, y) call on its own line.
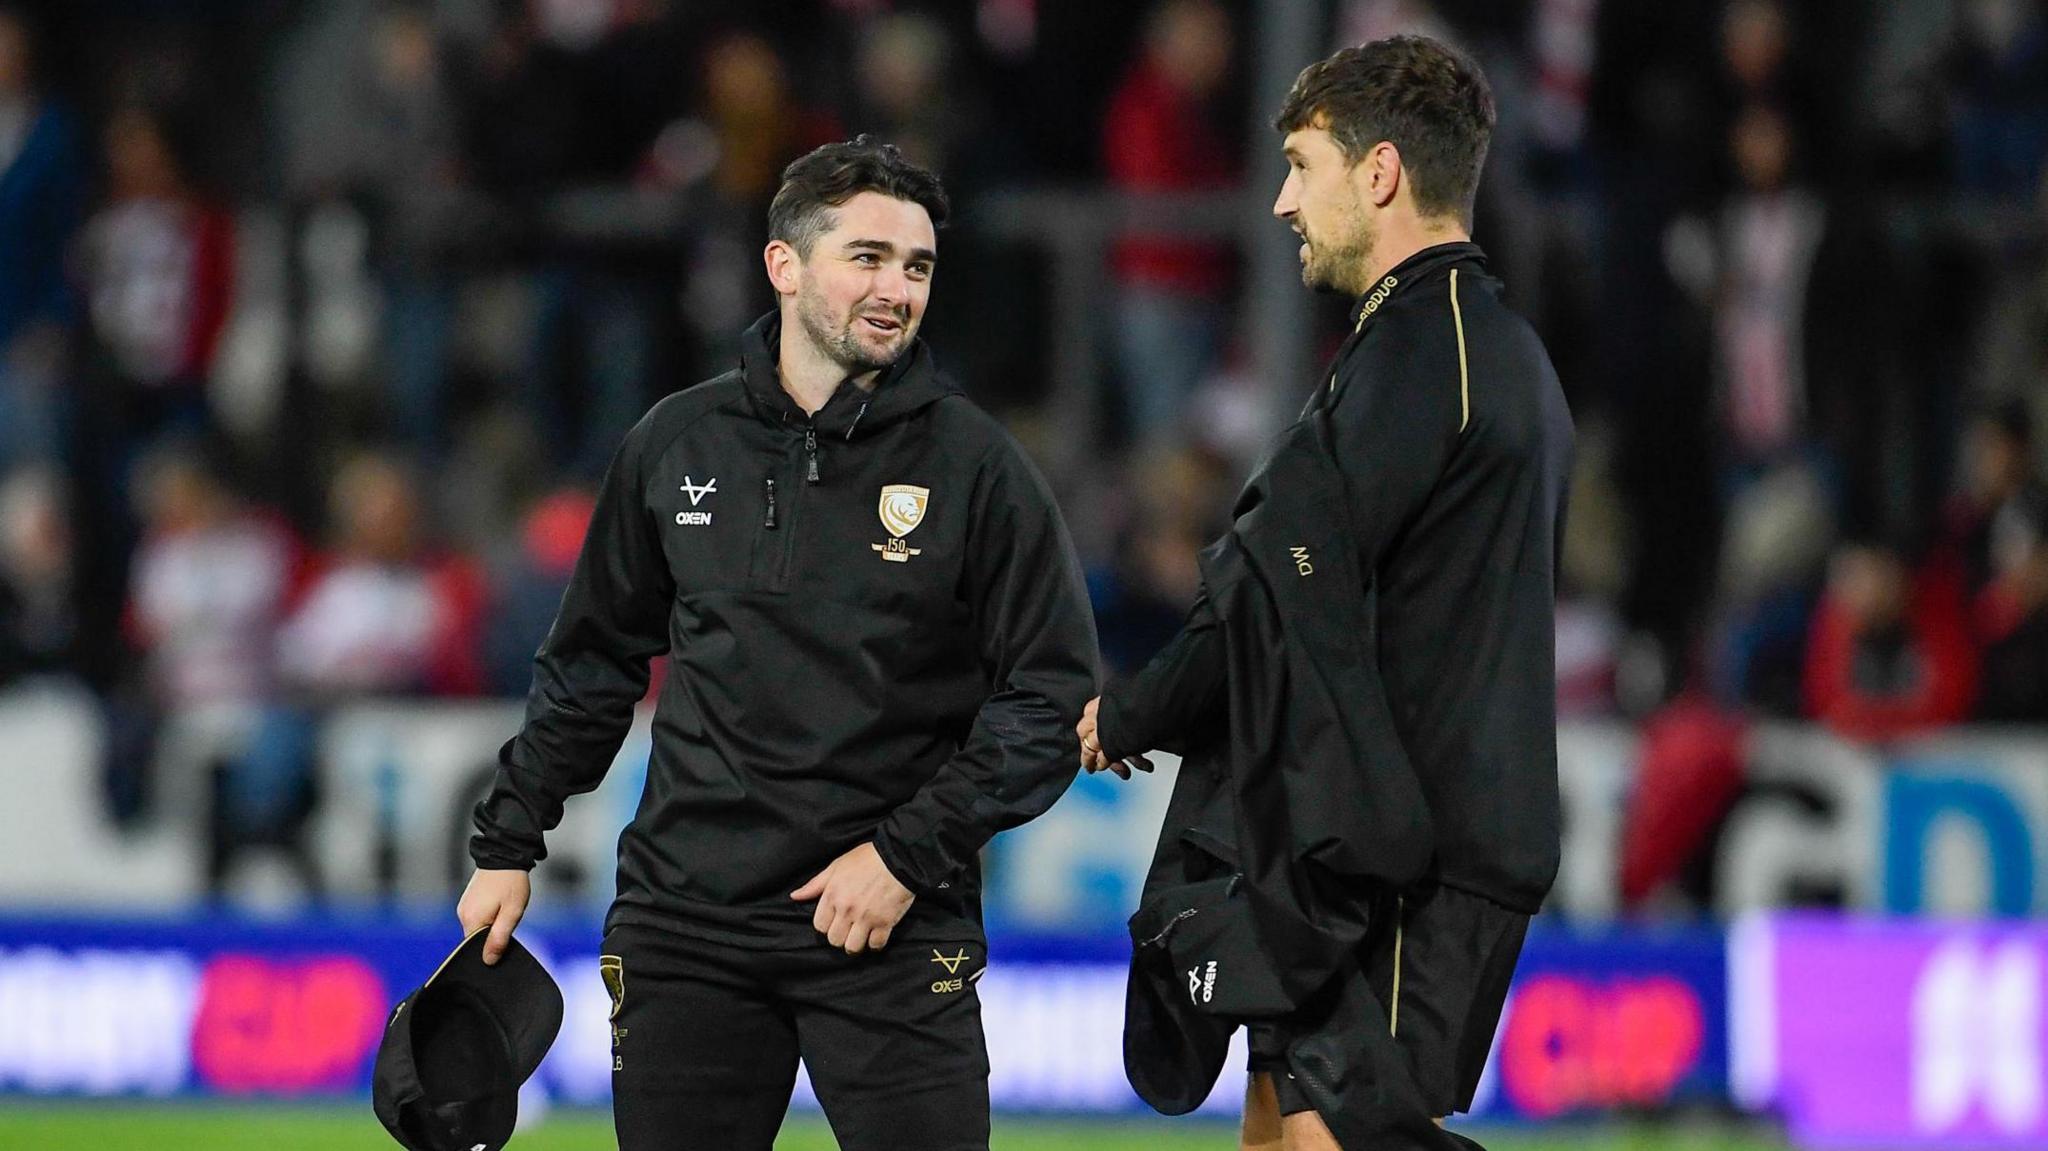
point(501, 935)
point(1122, 768)
point(1139, 762)
point(812, 889)
point(878, 938)
point(821, 919)
point(837, 932)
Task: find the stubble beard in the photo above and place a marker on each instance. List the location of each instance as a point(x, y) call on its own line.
point(1339, 265)
point(838, 341)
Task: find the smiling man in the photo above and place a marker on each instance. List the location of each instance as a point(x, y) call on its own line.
point(877, 639)
point(1447, 442)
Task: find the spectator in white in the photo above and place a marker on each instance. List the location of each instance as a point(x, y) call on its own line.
point(384, 617)
point(1750, 268)
point(159, 276)
point(1770, 231)
point(210, 584)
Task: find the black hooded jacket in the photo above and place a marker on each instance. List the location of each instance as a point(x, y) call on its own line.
point(1452, 436)
point(876, 630)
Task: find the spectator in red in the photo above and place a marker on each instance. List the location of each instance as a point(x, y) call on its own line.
point(1161, 136)
point(385, 615)
point(2012, 631)
point(1999, 526)
point(527, 586)
point(1890, 651)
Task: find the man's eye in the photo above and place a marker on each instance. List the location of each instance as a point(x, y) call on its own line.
point(868, 258)
point(920, 270)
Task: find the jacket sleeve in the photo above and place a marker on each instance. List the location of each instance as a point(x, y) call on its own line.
point(589, 674)
point(1180, 692)
point(1037, 642)
point(1397, 418)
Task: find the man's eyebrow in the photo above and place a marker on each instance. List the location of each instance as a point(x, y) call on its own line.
point(1292, 153)
point(884, 247)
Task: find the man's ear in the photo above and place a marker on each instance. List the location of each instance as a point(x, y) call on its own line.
point(785, 267)
point(1380, 174)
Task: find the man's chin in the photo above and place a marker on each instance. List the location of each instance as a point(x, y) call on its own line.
point(1316, 280)
point(871, 356)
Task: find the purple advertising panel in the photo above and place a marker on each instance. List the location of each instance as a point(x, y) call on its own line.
point(1621, 1018)
point(1892, 1033)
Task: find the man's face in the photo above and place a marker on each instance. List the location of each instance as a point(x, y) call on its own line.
point(1322, 202)
point(862, 291)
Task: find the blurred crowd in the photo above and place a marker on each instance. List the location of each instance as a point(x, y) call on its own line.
point(319, 322)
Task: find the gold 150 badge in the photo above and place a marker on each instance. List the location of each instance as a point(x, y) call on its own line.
point(902, 509)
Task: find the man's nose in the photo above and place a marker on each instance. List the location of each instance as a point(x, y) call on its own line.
point(891, 286)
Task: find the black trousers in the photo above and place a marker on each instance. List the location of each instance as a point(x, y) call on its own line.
point(1440, 961)
point(706, 1038)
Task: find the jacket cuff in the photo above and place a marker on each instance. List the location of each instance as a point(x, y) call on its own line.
point(493, 855)
point(923, 871)
point(1109, 729)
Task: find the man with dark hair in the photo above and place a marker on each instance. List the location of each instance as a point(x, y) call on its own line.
point(1448, 442)
point(877, 636)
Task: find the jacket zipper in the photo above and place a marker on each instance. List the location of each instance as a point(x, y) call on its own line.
point(769, 521)
point(788, 515)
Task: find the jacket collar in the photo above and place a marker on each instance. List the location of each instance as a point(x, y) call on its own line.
point(910, 384)
point(1409, 272)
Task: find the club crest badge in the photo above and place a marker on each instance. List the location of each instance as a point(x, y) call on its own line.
point(901, 509)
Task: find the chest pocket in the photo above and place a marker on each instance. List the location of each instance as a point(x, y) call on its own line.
point(709, 519)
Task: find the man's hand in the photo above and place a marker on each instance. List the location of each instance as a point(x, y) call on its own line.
point(495, 899)
point(859, 902)
point(1092, 757)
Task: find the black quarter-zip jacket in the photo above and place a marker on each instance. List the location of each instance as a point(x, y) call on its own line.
point(877, 631)
point(1455, 444)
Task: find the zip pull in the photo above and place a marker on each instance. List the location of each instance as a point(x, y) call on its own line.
point(811, 453)
point(856, 420)
point(769, 522)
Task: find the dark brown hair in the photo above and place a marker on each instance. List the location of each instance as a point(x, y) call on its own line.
point(828, 176)
point(1426, 98)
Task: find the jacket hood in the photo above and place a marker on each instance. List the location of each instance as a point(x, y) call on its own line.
point(904, 388)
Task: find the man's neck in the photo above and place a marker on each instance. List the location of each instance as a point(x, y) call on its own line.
point(807, 374)
point(1397, 242)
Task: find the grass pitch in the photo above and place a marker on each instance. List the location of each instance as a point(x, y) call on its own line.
point(28, 1126)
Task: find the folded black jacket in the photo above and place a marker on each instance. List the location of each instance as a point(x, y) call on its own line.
point(876, 630)
point(1287, 820)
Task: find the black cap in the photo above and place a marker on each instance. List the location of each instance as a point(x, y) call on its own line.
point(456, 1050)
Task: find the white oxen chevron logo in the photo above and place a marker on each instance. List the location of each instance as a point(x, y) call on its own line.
point(697, 492)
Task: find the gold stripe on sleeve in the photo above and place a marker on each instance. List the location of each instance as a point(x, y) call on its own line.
point(1400, 913)
point(1464, 374)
